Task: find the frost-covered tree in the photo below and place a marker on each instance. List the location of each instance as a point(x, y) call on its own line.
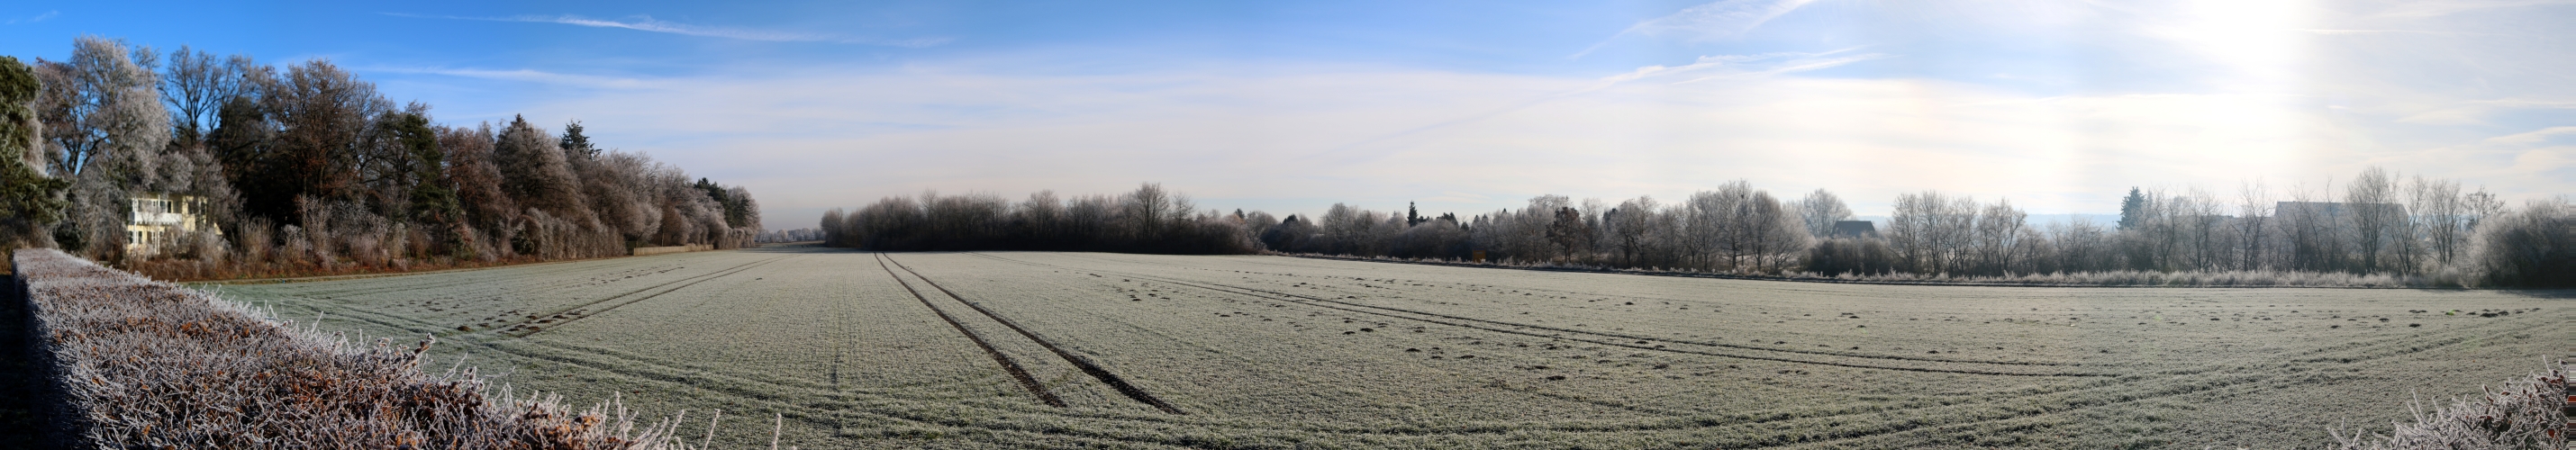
point(108, 131)
point(1820, 209)
point(535, 172)
point(2370, 202)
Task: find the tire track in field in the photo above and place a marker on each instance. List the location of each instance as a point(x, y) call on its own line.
point(1880, 434)
point(533, 272)
point(1013, 367)
point(2108, 395)
point(1104, 375)
point(920, 417)
point(1597, 338)
point(1616, 335)
point(2393, 342)
point(683, 283)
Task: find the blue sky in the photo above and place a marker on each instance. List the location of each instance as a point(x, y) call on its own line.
point(1462, 106)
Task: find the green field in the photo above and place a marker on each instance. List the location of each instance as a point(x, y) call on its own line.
point(861, 350)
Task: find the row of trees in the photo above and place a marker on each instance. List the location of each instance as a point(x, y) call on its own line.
point(1148, 220)
point(1734, 226)
point(2379, 224)
point(308, 165)
point(786, 236)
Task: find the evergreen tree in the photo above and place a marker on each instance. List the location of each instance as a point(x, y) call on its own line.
point(737, 211)
point(431, 200)
point(2133, 209)
point(29, 200)
point(1412, 216)
point(576, 144)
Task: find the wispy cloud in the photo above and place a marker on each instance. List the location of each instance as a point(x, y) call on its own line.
point(2533, 136)
point(2444, 8)
point(1748, 66)
point(48, 15)
point(527, 75)
point(648, 24)
point(1717, 20)
point(2529, 103)
point(2331, 32)
point(2475, 112)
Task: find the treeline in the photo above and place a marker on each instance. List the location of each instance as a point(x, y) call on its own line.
point(785, 236)
point(2425, 229)
point(2416, 231)
point(1148, 220)
point(306, 167)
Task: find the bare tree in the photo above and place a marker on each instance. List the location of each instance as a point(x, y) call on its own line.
point(1910, 230)
point(196, 85)
point(2438, 213)
point(2254, 210)
point(2320, 234)
point(1776, 233)
point(1998, 233)
point(1629, 226)
point(2083, 246)
point(2370, 204)
point(2197, 214)
point(1704, 227)
point(1820, 210)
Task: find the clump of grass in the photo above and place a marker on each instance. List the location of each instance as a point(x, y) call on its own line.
point(2525, 413)
point(146, 364)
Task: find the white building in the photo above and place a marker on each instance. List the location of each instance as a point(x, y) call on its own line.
point(158, 220)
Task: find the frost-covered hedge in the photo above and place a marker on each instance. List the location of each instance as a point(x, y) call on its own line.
point(2527, 413)
point(146, 364)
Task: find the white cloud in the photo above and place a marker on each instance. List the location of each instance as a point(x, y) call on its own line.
point(526, 75)
point(48, 15)
point(1740, 65)
point(648, 24)
point(2533, 136)
point(1379, 138)
point(2476, 112)
point(2437, 8)
point(1710, 21)
point(2294, 93)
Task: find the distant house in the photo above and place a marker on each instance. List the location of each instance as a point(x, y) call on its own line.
point(1855, 229)
point(156, 220)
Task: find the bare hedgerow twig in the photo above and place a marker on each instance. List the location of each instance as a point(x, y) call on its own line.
point(155, 365)
point(2526, 413)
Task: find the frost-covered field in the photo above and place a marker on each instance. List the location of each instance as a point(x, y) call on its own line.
point(978, 349)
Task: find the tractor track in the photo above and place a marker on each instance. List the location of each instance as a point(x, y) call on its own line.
point(1615, 335)
point(1088, 367)
point(2210, 380)
point(531, 272)
point(1596, 338)
point(683, 282)
point(1018, 373)
point(1765, 431)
